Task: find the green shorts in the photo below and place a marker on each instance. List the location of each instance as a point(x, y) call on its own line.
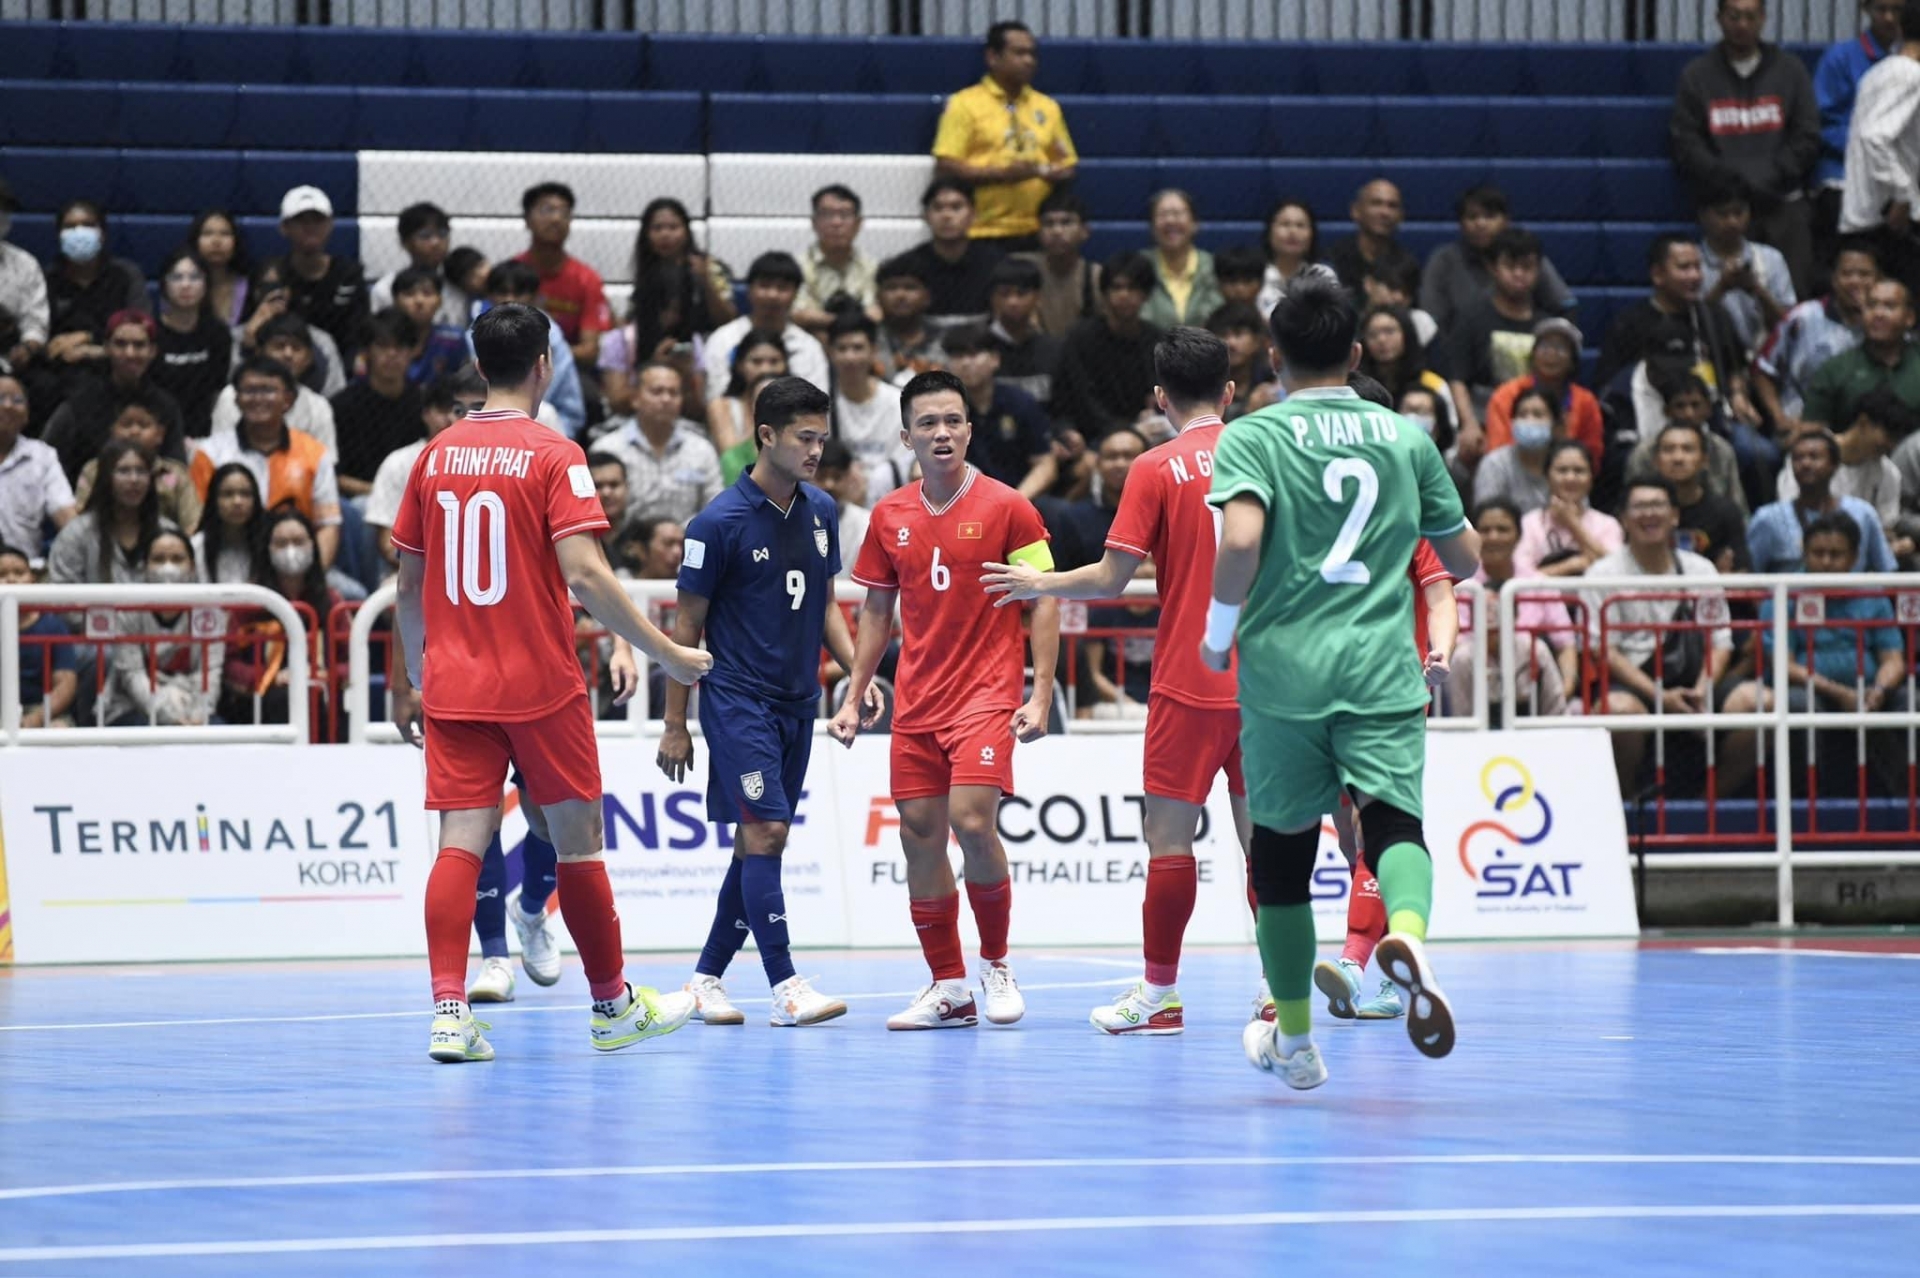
point(1296, 769)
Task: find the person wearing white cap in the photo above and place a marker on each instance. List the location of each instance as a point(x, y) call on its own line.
point(327, 290)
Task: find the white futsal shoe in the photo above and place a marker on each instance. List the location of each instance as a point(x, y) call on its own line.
point(1429, 1016)
point(797, 1003)
point(1263, 1009)
point(494, 984)
point(538, 953)
point(1004, 1003)
point(455, 1036)
point(942, 1005)
point(1135, 1012)
point(648, 1014)
point(1303, 1071)
point(711, 1006)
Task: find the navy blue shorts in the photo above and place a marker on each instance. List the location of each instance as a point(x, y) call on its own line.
point(756, 758)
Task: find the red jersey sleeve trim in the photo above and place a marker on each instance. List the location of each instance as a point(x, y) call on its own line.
point(594, 525)
point(871, 584)
point(1114, 543)
point(412, 550)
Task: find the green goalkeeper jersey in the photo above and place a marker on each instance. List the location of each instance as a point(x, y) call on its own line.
point(1350, 489)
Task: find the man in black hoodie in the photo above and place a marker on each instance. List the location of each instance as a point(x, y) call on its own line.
point(1748, 108)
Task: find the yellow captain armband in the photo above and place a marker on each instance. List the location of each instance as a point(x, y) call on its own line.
point(1039, 555)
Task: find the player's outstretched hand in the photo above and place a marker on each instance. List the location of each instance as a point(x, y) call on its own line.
point(1213, 659)
point(1012, 582)
point(676, 752)
point(1436, 668)
point(1030, 721)
point(623, 673)
point(685, 665)
point(845, 725)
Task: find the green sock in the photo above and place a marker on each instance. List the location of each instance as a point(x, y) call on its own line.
point(1406, 888)
point(1287, 946)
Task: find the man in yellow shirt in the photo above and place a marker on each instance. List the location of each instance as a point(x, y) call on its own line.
point(1006, 138)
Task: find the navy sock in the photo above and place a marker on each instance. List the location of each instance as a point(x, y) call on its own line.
point(537, 861)
point(767, 914)
point(729, 930)
point(490, 902)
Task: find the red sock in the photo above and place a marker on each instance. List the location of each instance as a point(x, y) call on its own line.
point(450, 888)
point(992, 913)
point(1172, 884)
point(1366, 916)
point(586, 904)
point(938, 923)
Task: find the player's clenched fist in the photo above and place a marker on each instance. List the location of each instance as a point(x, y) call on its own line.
point(685, 665)
point(1215, 659)
point(1030, 721)
point(1436, 666)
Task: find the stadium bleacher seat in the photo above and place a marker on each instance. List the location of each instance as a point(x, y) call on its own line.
point(148, 237)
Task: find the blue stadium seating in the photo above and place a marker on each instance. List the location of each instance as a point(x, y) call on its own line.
point(147, 237)
point(832, 123)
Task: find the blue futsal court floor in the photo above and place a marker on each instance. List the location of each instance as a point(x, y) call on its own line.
point(1708, 1108)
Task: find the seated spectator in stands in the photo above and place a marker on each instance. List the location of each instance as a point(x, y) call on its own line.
point(1676, 271)
point(441, 405)
point(1080, 526)
point(1774, 535)
point(107, 541)
point(1517, 472)
point(1029, 358)
point(327, 290)
point(1836, 83)
point(1551, 367)
point(1185, 289)
point(1106, 366)
point(47, 673)
point(657, 330)
point(516, 283)
point(1854, 667)
point(438, 349)
point(1746, 109)
point(1711, 524)
point(1069, 283)
point(1460, 274)
point(1006, 137)
point(1392, 354)
point(255, 680)
point(171, 479)
point(1012, 440)
point(1567, 536)
point(270, 297)
point(196, 346)
point(1544, 640)
point(176, 682)
point(291, 466)
point(1645, 665)
point(1813, 333)
point(672, 469)
point(1883, 156)
point(381, 411)
point(231, 546)
point(1867, 470)
point(1248, 366)
point(1292, 242)
point(1377, 213)
point(610, 486)
point(23, 289)
point(1492, 342)
point(1395, 282)
point(757, 356)
point(666, 235)
point(288, 341)
point(80, 425)
point(33, 488)
point(1432, 412)
point(908, 344)
point(1241, 272)
point(466, 273)
point(215, 236)
point(571, 292)
point(1682, 399)
point(958, 269)
point(866, 410)
point(833, 267)
point(426, 233)
point(1886, 359)
point(844, 477)
point(87, 288)
point(773, 281)
point(1751, 281)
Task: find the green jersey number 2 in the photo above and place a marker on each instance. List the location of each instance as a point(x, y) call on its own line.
point(1339, 568)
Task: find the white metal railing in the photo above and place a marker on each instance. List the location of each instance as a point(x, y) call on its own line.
point(1779, 721)
point(183, 597)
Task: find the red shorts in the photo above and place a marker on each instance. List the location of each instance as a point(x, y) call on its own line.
point(1188, 746)
point(975, 751)
point(557, 756)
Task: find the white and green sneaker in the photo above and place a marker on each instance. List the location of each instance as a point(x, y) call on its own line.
point(1136, 1012)
point(648, 1014)
point(1384, 1006)
point(1302, 1071)
point(455, 1036)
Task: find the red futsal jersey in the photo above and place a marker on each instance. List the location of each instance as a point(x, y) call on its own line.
point(1164, 516)
point(960, 657)
point(1425, 569)
point(487, 499)
point(574, 296)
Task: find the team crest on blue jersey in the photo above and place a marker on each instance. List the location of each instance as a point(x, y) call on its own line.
point(753, 785)
point(820, 541)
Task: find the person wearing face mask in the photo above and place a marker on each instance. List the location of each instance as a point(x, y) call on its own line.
point(196, 347)
point(23, 288)
point(107, 541)
point(1518, 472)
point(161, 673)
point(1551, 366)
point(81, 424)
point(179, 500)
point(85, 286)
point(255, 681)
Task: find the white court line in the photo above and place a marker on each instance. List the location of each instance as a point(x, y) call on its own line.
point(1767, 949)
point(1131, 965)
point(440, 1176)
point(484, 1010)
point(896, 1228)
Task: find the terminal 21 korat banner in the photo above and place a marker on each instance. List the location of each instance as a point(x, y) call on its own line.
point(212, 852)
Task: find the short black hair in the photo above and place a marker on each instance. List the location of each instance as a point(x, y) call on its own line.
point(1371, 389)
point(1836, 523)
point(1696, 429)
point(1515, 244)
point(1401, 273)
point(466, 380)
point(1660, 482)
point(1662, 244)
point(15, 551)
point(1062, 200)
point(835, 191)
point(931, 382)
point(1484, 198)
point(835, 456)
point(1127, 268)
point(1674, 385)
point(997, 34)
point(416, 218)
point(439, 393)
point(1722, 190)
point(1236, 315)
point(1503, 504)
point(508, 341)
point(776, 268)
point(1191, 365)
point(903, 267)
point(945, 182)
point(850, 322)
point(968, 339)
point(513, 279)
point(286, 324)
point(1241, 262)
point(534, 194)
point(597, 458)
point(1886, 410)
point(392, 327)
point(1313, 324)
point(785, 400)
point(460, 264)
point(1858, 244)
point(1825, 438)
point(266, 366)
point(1015, 272)
point(413, 277)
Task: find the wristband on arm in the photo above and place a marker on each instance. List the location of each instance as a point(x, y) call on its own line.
point(1222, 620)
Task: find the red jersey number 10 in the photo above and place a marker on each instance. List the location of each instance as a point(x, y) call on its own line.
point(462, 548)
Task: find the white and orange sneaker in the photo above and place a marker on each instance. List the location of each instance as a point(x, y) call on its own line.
point(1004, 1003)
point(711, 1006)
point(795, 1002)
point(942, 1005)
point(1138, 1012)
